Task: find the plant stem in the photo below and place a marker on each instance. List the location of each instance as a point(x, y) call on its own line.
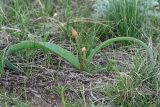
point(82, 61)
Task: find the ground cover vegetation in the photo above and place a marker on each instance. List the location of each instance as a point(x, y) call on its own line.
point(79, 53)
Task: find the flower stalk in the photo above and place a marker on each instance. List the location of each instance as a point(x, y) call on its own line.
point(82, 59)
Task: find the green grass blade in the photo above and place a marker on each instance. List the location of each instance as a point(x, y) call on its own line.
point(110, 41)
point(1, 63)
point(66, 55)
point(11, 66)
point(2, 56)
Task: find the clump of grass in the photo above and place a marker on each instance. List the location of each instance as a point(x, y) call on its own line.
point(125, 15)
point(135, 87)
point(6, 101)
point(19, 18)
point(60, 91)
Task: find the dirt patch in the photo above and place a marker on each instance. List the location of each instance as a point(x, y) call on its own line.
point(38, 88)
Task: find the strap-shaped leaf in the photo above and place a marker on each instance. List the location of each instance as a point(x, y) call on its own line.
point(64, 54)
point(110, 41)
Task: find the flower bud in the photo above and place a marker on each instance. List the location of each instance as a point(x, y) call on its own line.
point(74, 33)
point(84, 49)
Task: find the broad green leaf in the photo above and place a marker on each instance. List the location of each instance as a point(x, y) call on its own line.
point(110, 41)
point(64, 54)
